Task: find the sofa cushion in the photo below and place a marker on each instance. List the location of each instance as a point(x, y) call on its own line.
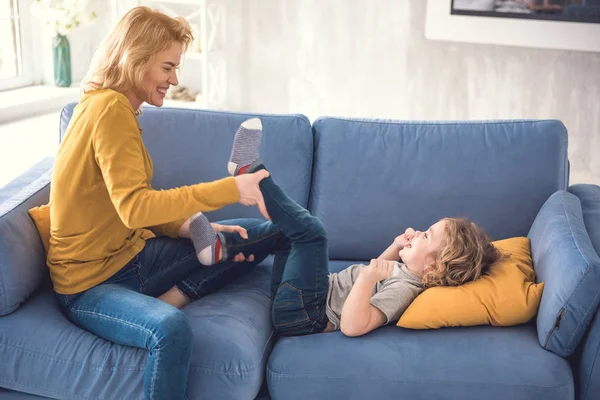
point(373, 179)
point(190, 146)
point(41, 218)
point(507, 296)
point(476, 363)
point(22, 257)
point(45, 354)
point(563, 258)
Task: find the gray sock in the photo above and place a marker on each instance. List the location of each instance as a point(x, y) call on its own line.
point(209, 245)
point(246, 146)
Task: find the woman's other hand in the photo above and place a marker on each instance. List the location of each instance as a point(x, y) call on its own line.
point(250, 193)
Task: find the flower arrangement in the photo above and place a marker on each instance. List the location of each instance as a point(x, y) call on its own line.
point(63, 16)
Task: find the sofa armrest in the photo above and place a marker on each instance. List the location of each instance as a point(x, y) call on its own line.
point(22, 257)
point(589, 195)
point(586, 362)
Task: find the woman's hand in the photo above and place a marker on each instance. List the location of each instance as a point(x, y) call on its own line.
point(402, 240)
point(240, 257)
point(230, 228)
point(250, 193)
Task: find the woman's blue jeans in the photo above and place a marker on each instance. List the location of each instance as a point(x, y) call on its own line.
point(124, 308)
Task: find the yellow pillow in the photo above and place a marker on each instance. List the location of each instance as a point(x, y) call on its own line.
point(507, 296)
point(41, 218)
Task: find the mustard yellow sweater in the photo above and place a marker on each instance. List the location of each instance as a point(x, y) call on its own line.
point(101, 201)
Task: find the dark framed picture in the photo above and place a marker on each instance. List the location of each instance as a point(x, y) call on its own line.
point(547, 24)
point(587, 11)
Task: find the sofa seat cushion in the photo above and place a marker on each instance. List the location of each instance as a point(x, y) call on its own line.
point(44, 354)
point(476, 363)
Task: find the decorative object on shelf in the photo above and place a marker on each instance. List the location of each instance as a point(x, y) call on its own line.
point(181, 93)
point(62, 16)
point(61, 57)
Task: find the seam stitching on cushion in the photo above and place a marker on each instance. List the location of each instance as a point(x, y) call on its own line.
point(587, 272)
point(314, 376)
point(440, 123)
point(50, 392)
point(300, 117)
point(24, 191)
point(67, 361)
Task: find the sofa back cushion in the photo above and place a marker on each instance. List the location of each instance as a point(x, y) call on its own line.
point(565, 260)
point(373, 178)
point(191, 146)
point(22, 257)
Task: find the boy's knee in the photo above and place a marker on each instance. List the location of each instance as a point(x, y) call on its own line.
point(317, 229)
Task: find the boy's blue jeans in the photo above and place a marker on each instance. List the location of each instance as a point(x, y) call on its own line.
point(299, 280)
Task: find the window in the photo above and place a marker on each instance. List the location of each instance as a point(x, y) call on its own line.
point(15, 65)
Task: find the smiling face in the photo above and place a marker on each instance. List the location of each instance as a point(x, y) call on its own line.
point(161, 74)
point(422, 249)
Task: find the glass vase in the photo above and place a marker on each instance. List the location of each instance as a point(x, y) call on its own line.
point(62, 60)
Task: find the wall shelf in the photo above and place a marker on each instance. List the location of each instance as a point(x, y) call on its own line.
point(204, 68)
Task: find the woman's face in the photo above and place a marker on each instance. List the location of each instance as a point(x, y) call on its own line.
point(161, 74)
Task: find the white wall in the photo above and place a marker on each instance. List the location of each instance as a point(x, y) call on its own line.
point(368, 58)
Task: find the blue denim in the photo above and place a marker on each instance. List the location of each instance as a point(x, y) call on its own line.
point(300, 270)
point(124, 310)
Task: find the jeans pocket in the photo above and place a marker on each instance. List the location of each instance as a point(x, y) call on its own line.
point(288, 307)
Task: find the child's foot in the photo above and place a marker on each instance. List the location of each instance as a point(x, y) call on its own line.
point(246, 147)
point(208, 243)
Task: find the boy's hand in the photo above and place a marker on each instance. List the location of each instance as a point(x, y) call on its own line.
point(378, 270)
point(401, 241)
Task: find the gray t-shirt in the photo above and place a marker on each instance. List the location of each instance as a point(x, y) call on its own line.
point(392, 295)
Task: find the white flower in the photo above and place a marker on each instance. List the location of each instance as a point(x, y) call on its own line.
point(62, 16)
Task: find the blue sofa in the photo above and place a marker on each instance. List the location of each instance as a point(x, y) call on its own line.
point(366, 180)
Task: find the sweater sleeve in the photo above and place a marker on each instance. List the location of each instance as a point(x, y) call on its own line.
point(119, 153)
point(170, 229)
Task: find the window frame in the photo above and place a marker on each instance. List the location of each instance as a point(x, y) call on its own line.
point(25, 37)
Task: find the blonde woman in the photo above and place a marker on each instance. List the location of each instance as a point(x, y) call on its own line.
point(111, 275)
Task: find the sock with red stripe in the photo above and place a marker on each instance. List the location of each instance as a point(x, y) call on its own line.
point(245, 151)
point(209, 245)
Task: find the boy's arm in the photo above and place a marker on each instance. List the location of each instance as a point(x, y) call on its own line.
point(391, 253)
point(359, 316)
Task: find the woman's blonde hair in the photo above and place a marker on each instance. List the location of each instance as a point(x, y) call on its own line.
point(466, 255)
point(126, 53)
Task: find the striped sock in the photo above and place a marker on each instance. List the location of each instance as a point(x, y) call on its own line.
point(209, 245)
point(246, 147)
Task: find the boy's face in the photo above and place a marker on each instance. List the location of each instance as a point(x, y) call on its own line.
point(421, 250)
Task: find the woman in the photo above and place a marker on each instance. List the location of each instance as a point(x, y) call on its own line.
point(111, 275)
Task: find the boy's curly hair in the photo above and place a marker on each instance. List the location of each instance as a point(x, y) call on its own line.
point(466, 255)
